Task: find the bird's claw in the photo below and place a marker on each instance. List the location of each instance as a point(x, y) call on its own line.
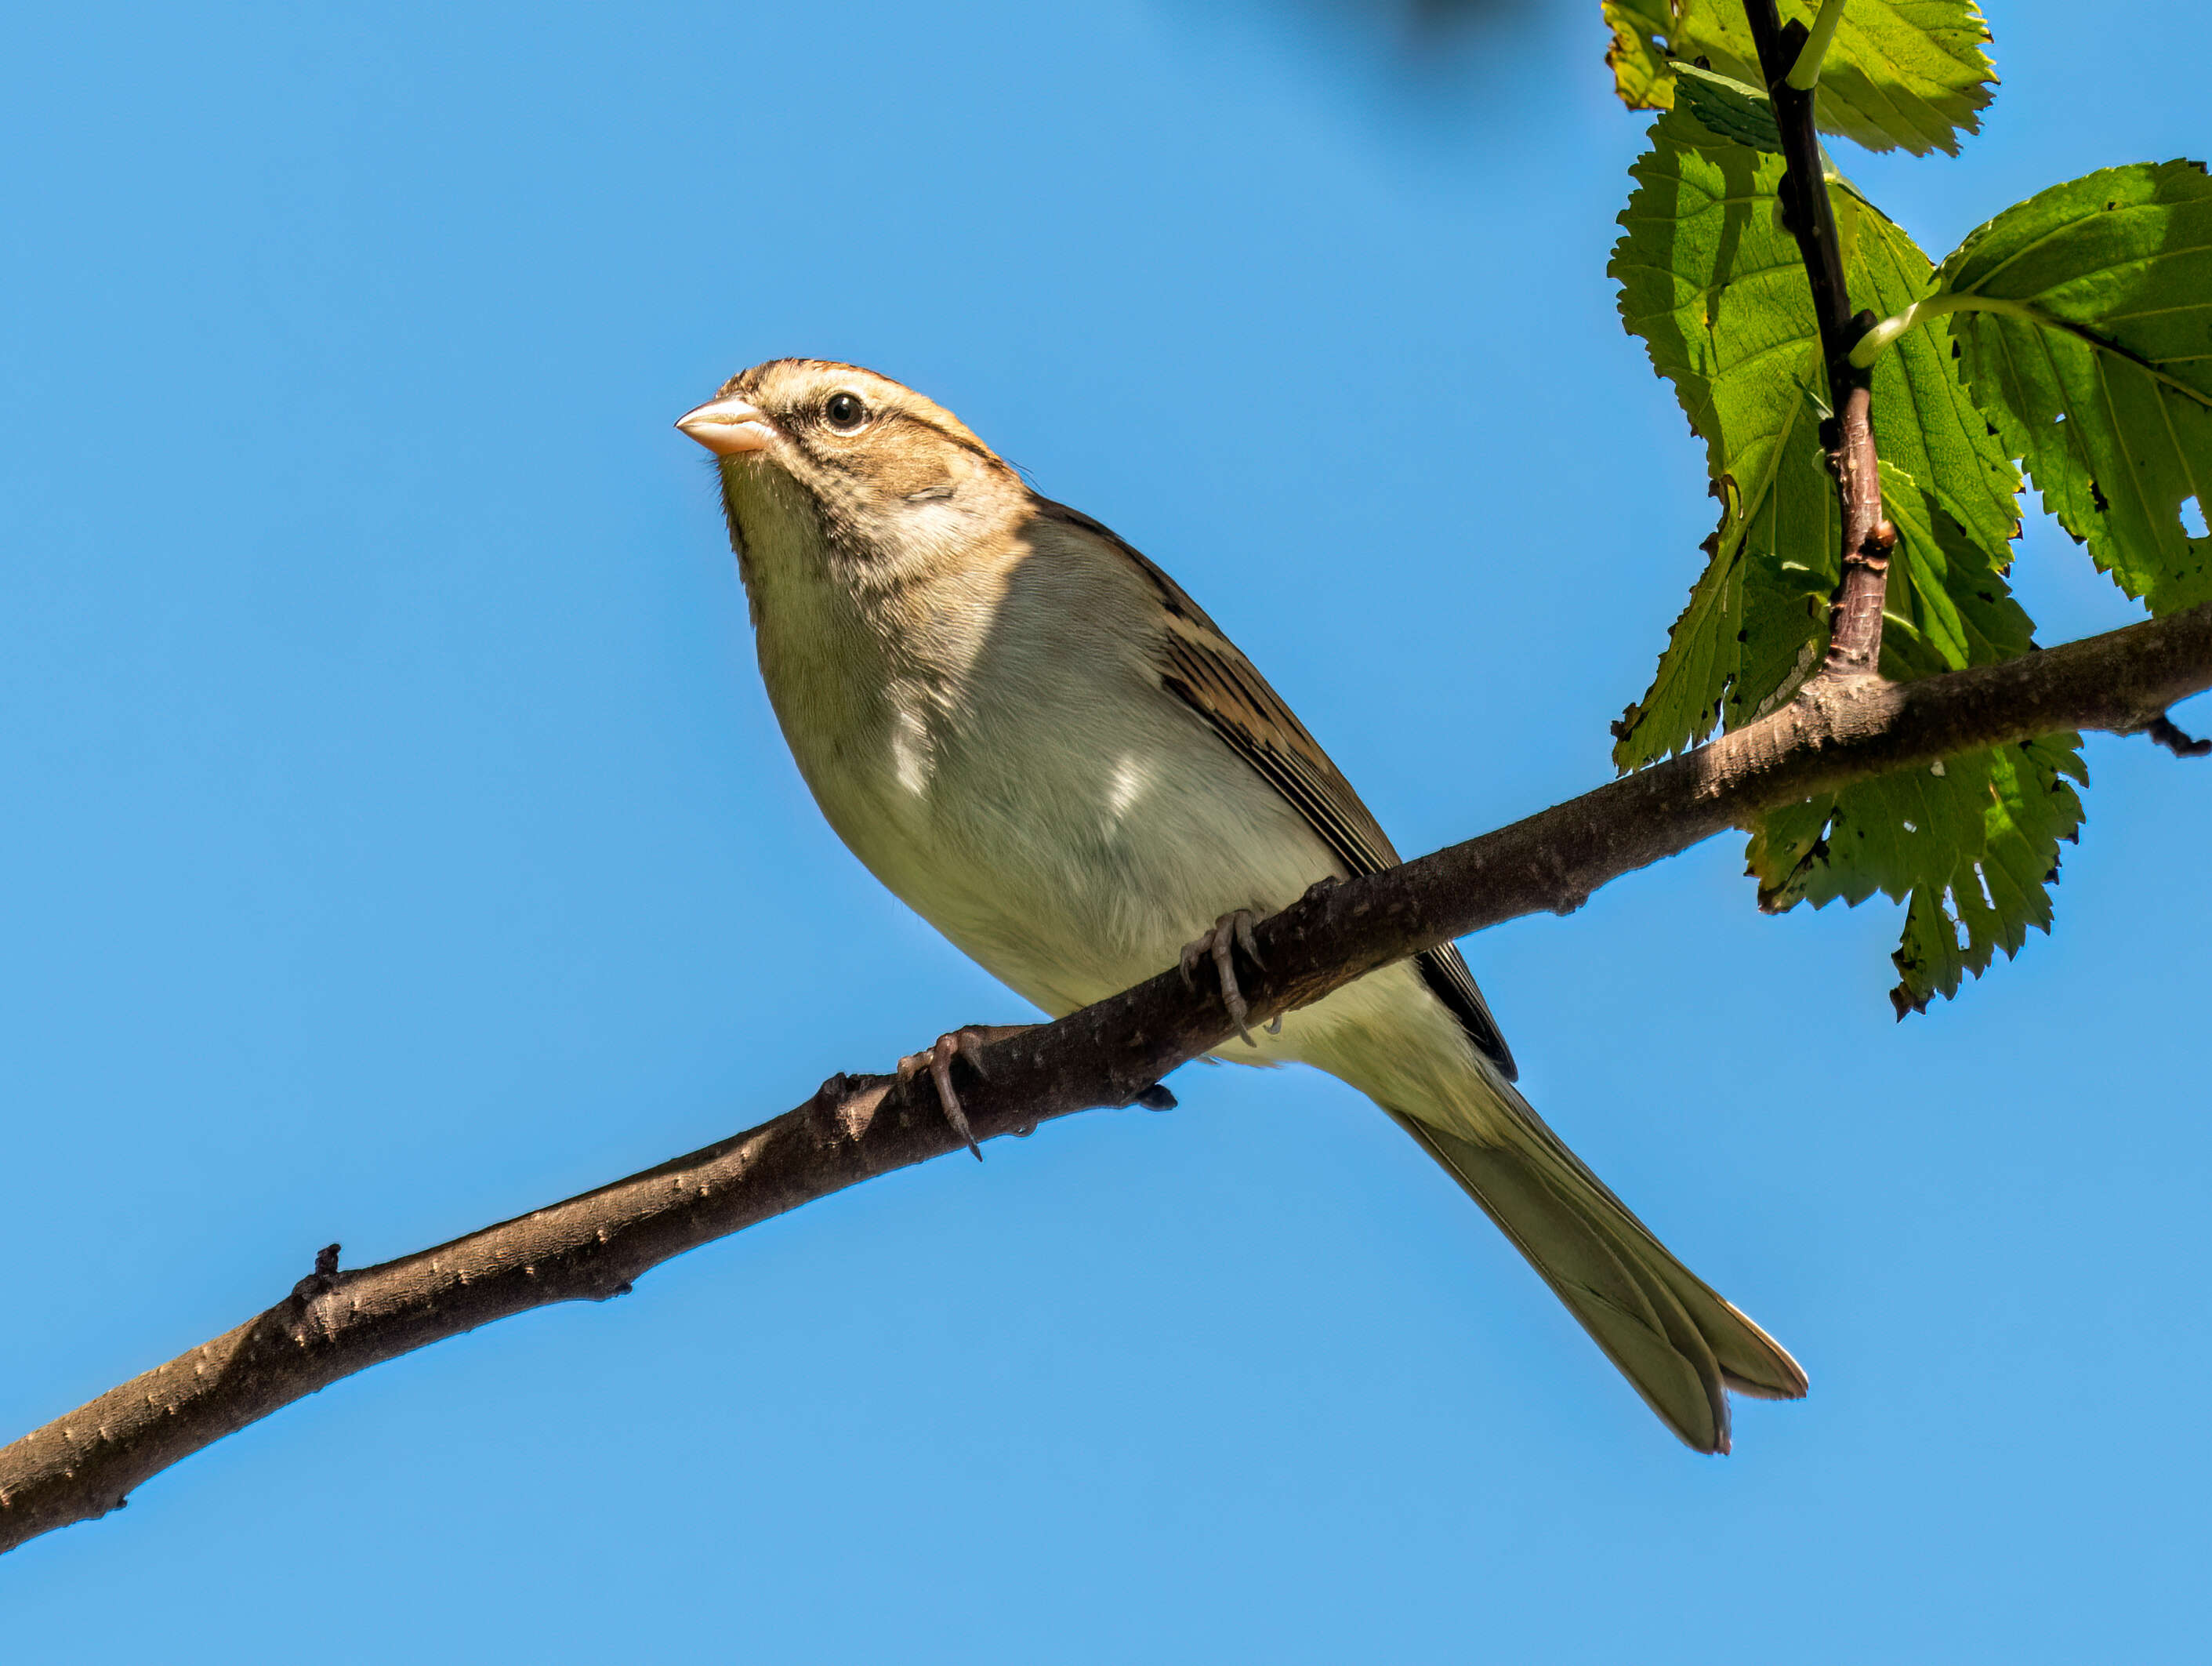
point(1230, 932)
point(936, 1060)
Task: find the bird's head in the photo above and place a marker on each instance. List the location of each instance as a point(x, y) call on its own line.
point(832, 464)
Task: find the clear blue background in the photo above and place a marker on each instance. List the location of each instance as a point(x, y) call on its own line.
point(396, 838)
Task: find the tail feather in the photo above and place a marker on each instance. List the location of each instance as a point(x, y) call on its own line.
point(1676, 1340)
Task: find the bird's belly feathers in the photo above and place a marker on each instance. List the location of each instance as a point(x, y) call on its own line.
point(1077, 851)
point(1069, 846)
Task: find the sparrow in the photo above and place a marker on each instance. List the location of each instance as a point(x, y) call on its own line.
point(1034, 738)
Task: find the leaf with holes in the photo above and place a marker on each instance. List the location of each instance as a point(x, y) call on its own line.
point(1898, 72)
point(2083, 319)
point(1717, 292)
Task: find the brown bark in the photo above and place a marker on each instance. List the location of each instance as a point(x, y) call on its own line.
point(335, 1324)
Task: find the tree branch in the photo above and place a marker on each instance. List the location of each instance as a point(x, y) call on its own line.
point(1855, 613)
point(335, 1324)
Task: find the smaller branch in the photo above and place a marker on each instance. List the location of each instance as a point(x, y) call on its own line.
point(1862, 584)
point(1805, 73)
point(2163, 730)
point(323, 1279)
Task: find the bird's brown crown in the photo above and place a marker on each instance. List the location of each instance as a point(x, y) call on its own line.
point(797, 393)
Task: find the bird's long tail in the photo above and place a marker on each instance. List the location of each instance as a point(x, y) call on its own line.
point(1681, 1345)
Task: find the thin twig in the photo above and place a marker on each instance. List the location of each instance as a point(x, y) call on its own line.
point(2166, 734)
point(336, 1323)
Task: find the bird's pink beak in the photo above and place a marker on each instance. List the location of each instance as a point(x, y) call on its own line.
point(728, 428)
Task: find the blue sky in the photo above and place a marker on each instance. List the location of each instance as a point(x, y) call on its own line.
point(398, 838)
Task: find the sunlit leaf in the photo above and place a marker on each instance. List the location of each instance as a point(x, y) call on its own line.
point(1947, 605)
point(2084, 327)
point(1717, 294)
point(1899, 72)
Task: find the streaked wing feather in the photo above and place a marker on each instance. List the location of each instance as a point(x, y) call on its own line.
point(1204, 668)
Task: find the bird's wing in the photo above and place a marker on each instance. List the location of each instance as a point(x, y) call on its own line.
point(1204, 668)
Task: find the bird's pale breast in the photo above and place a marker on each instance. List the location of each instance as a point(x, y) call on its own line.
point(1024, 785)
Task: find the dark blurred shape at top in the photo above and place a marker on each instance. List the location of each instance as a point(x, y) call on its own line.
point(1423, 64)
point(1420, 20)
point(1427, 37)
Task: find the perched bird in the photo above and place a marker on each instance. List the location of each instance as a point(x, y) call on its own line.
point(1030, 734)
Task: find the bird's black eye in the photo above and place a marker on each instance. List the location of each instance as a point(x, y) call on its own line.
point(846, 412)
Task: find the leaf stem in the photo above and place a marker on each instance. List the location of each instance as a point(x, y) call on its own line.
point(1805, 73)
point(1876, 340)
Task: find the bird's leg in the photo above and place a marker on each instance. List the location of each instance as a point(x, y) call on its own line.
point(937, 1059)
point(1230, 932)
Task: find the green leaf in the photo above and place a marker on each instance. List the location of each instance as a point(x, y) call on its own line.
point(1970, 851)
point(1947, 605)
point(1899, 72)
point(2083, 323)
point(1718, 295)
point(1718, 292)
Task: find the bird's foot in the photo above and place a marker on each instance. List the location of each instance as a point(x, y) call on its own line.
point(1230, 932)
point(937, 1059)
